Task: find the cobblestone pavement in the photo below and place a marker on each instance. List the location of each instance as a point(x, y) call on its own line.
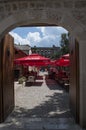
point(42, 106)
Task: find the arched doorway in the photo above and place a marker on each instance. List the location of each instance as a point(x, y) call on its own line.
point(29, 13)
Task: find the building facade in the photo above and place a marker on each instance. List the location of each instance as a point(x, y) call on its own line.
point(19, 69)
point(49, 52)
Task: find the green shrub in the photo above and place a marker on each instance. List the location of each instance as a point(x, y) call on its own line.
point(21, 80)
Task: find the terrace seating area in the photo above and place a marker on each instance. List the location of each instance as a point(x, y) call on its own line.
point(60, 75)
point(58, 70)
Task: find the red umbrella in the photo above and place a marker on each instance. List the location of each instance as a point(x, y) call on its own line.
point(63, 62)
point(33, 60)
point(66, 56)
point(53, 62)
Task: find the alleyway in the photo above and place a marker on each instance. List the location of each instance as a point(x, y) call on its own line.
point(42, 106)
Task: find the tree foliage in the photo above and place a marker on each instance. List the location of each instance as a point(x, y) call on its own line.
point(56, 55)
point(64, 43)
point(64, 46)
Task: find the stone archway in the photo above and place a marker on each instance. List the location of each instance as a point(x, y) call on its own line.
point(66, 13)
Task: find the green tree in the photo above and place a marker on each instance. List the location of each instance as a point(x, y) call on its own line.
point(56, 55)
point(64, 43)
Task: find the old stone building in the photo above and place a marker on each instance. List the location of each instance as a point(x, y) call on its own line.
point(25, 48)
point(49, 52)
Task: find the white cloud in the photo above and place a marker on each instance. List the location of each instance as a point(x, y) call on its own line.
point(51, 35)
point(49, 41)
point(42, 29)
point(45, 36)
point(18, 39)
point(34, 37)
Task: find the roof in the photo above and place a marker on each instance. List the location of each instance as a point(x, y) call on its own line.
point(22, 47)
point(20, 51)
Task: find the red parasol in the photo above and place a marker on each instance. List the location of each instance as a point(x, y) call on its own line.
point(63, 62)
point(53, 62)
point(33, 60)
point(66, 56)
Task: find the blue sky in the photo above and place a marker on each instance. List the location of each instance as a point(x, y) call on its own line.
point(38, 36)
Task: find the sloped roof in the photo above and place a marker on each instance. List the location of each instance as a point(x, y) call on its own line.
point(17, 49)
point(22, 47)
